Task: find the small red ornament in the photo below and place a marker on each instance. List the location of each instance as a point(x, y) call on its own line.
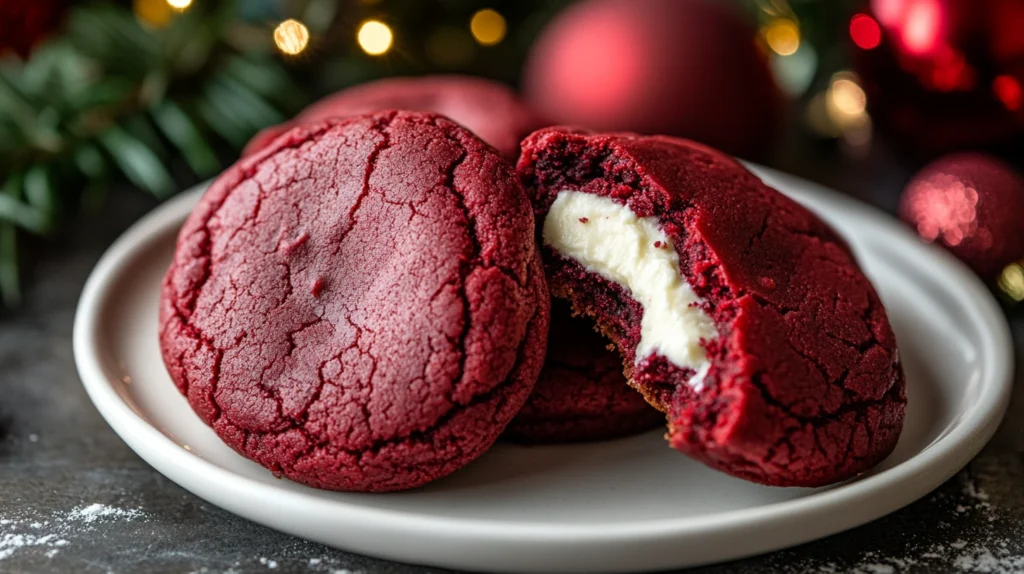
point(23, 23)
point(943, 75)
point(973, 204)
point(689, 68)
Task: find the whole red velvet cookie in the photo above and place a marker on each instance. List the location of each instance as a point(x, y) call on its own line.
point(489, 109)
point(739, 313)
point(581, 393)
point(360, 306)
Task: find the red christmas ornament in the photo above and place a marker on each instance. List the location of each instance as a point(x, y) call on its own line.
point(681, 67)
point(24, 22)
point(943, 74)
point(973, 204)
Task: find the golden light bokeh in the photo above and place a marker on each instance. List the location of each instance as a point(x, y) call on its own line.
point(374, 37)
point(1011, 281)
point(848, 97)
point(782, 36)
point(841, 110)
point(291, 37)
point(488, 27)
point(153, 13)
point(179, 5)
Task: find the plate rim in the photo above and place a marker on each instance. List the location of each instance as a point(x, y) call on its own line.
point(914, 477)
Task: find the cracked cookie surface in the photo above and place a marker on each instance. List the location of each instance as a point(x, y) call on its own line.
point(489, 109)
point(360, 306)
point(581, 393)
point(805, 386)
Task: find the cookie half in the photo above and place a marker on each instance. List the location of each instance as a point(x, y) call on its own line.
point(489, 109)
point(361, 305)
point(740, 314)
point(581, 394)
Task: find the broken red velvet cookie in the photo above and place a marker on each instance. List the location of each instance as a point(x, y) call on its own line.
point(581, 394)
point(738, 313)
point(361, 305)
point(489, 109)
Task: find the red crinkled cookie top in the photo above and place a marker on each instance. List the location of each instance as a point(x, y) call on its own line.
point(359, 306)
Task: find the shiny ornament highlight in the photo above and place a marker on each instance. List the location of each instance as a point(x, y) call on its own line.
point(973, 204)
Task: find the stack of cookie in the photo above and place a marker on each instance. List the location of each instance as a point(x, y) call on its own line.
point(363, 302)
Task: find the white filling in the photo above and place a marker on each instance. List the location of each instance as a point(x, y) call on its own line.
point(607, 238)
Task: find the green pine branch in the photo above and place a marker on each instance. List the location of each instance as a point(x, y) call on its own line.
point(110, 99)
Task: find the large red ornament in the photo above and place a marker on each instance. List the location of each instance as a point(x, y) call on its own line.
point(944, 74)
point(690, 68)
point(973, 204)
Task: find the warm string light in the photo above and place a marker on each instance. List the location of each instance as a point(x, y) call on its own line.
point(153, 13)
point(488, 27)
point(1011, 281)
point(374, 37)
point(841, 112)
point(847, 97)
point(793, 61)
point(846, 105)
point(782, 36)
point(291, 37)
point(179, 5)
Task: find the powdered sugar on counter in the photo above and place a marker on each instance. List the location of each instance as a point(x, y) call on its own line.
point(53, 532)
point(978, 539)
point(94, 512)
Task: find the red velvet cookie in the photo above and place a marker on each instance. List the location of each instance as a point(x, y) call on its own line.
point(489, 109)
point(739, 313)
point(361, 305)
point(581, 393)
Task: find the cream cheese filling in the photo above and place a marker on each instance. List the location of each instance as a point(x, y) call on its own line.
point(608, 239)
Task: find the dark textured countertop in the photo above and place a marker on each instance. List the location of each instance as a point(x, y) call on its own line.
point(74, 498)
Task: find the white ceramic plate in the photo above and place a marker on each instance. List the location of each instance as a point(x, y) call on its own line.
point(630, 504)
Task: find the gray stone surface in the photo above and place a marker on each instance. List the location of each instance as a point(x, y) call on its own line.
point(74, 498)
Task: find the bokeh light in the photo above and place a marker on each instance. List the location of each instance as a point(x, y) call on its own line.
point(153, 13)
point(865, 32)
point(794, 73)
point(291, 37)
point(846, 104)
point(179, 5)
point(1011, 281)
point(944, 210)
point(782, 36)
point(848, 97)
point(921, 26)
point(889, 12)
point(488, 27)
point(1008, 90)
point(950, 71)
point(374, 37)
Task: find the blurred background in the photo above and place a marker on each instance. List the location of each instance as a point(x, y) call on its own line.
point(878, 99)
